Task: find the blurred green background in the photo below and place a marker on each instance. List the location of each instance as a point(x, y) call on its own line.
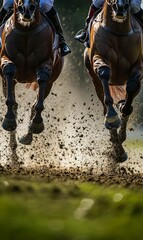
point(41, 210)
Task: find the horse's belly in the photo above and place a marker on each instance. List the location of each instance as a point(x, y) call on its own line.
point(25, 76)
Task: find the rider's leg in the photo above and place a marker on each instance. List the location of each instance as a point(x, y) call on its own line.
point(139, 16)
point(2, 14)
point(82, 36)
point(7, 4)
point(137, 10)
point(48, 9)
point(54, 17)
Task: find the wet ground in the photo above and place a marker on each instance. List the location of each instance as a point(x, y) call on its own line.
point(74, 144)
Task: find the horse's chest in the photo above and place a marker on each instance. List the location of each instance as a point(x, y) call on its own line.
point(119, 48)
point(27, 57)
point(26, 52)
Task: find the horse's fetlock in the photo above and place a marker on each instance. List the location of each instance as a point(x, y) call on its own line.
point(37, 120)
point(108, 101)
point(111, 113)
point(39, 107)
point(127, 110)
point(9, 102)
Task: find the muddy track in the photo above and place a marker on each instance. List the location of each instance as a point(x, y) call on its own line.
point(74, 144)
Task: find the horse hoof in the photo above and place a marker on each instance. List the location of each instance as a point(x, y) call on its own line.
point(9, 124)
point(112, 122)
point(36, 127)
point(26, 139)
point(122, 158)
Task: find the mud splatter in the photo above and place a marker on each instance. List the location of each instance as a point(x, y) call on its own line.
point(75, 144)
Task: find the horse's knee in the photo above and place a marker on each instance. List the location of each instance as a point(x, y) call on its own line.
point(9, 69)
point(104, 73)
point(44, 74)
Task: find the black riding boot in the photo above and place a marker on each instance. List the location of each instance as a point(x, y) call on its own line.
point(53, 15)
point(139, 16)
point(82, 34)
point(3, 13)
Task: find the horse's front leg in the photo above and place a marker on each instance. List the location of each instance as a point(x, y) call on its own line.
point(132, 89)
point(43, 78)
point(111, 118)
point(9, 71)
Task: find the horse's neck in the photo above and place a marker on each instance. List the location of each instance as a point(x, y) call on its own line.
point(114, 25)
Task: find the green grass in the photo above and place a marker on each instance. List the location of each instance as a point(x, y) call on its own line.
point(137, 144)
point(31, 209)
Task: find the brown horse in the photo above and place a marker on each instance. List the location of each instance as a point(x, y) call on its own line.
point(115, 63)
point(28, 56)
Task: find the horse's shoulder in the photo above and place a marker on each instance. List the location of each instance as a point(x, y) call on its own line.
point(8, 26)
point(98, 17)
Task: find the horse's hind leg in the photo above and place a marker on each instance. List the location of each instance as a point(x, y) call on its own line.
point(122, 132)
point(27, 138)
point(120, 154)
point(44, 75)
point(132, 89)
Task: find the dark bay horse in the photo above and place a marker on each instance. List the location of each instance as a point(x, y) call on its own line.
point(115, 64)
point(28, 56)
